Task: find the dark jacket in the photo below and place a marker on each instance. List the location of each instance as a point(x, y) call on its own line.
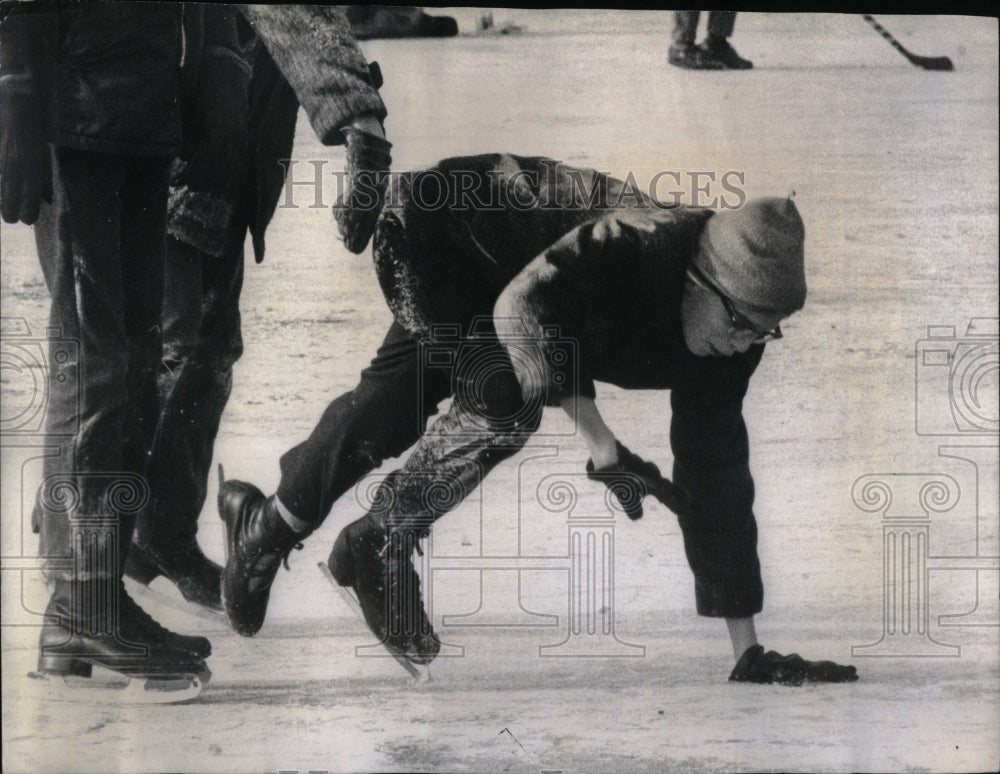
point(477, 221)
point(109, 73)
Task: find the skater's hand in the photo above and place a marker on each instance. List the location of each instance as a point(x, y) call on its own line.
point(367, 174)
point(25, 167)
point(756, 666)
point(632, 478)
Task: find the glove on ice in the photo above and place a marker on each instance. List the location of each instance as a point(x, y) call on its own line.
point(756, 666)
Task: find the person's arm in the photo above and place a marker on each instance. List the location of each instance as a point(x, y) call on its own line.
point(317, 53)
point(600, 440)
point(27, 37)
point(571, 278)
point(711, 459)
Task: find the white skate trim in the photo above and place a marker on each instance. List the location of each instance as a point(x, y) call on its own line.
point(420, 673)
point(106, 686)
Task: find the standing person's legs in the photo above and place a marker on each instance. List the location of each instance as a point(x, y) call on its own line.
point(716, 43)
point(683, 52)
point(113, 210)
point(62, 415)
point(202, 342)
point(685, 28)
point(720, 24)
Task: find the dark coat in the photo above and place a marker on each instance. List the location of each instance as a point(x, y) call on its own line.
point(109, 73)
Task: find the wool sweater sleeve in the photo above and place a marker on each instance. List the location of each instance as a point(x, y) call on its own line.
point(318, 54)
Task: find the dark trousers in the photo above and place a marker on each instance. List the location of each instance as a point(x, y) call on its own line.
point(380, 418)
point(720, 25)
point(101, 247)
point(201, 343)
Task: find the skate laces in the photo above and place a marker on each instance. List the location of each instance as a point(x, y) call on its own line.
point(268, 562)
point(284, 559)
point(133, 612)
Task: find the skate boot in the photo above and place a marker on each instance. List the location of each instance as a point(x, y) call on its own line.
point(197, 577)
point(137, 624)
point(379, 567)
point(719, 49)
point(258, 542)
point(92, 623)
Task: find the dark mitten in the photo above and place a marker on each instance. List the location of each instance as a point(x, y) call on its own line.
point(25, 166)
point(756, 666)
point(367, 173)
point(632, 478)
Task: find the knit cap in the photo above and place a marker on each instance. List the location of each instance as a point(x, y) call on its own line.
point(755, 254)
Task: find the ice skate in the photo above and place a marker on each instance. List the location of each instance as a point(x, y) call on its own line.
point(139, 624)
point(421, 673)
point(99, 646)
point(375, 573)
point(258, 541)
point(197, 577)
point(106, 686)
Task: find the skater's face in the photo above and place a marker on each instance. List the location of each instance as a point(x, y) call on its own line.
point(717, 326)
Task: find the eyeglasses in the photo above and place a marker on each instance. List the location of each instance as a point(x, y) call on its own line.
point(740, 323)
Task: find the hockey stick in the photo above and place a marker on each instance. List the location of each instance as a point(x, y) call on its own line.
point(927, 62)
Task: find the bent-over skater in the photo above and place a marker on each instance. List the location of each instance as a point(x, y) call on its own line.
point(682, 299)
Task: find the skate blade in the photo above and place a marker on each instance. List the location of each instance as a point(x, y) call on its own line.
point(110, 687)
point(420, 673)
point(155, 597)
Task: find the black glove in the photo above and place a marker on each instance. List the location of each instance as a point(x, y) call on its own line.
point(215, 128)
point(756, 666)
point(367, 173)
point(632, 478)
point(25, 165)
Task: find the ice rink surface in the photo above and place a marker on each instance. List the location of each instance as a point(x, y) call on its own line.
point(873, 461)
